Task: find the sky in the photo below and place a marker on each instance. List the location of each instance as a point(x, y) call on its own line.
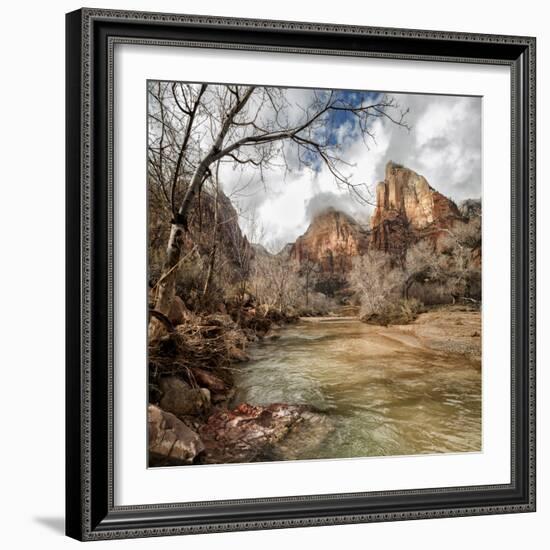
point(443, 144)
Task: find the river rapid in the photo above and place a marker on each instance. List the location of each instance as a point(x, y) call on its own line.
point(384, 392)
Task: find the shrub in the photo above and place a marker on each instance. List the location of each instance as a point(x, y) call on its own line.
point(402, 312)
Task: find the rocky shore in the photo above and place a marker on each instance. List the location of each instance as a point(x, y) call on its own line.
point(190, 417)
point(193, 417)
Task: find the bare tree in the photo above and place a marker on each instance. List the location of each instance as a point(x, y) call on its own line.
point(375, 280)
point(462, 245)
point(422, 265)
point(193, 127)
point(308, 268)
point(276, 282)
point(449, 267)
point(214, 237)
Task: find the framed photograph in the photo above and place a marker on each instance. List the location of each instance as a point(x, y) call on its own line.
point(300, 274)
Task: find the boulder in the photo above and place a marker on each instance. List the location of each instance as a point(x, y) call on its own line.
point(223, 397)
point(331, 241)
point(170, 441)
point(248, 433)
point(208, 380)
point(180, 398)
point(304, 438)
point(207, 396)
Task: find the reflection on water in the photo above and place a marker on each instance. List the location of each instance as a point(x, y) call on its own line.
point(384, 395)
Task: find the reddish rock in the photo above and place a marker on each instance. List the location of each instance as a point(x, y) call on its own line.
point(407, 193)
point(247, 433)
point(408, 209)
point(207, 379)
point(331, 241)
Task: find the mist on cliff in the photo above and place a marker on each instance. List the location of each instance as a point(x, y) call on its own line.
point(321, 202)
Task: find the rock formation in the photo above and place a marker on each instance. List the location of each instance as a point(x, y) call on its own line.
point(331, 241)
point(407, 209)
point(251, 432)
point(171, 442)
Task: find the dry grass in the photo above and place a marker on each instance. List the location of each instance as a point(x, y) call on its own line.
point(207, 342)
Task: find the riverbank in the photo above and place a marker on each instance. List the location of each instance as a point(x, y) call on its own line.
point(452, 329)
point(191, 383)
point(449, 329)
point(340, 387)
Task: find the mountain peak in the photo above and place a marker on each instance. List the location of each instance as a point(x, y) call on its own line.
point(332, 239)
point(406, 193)
point(331, 215)
point(408, 207)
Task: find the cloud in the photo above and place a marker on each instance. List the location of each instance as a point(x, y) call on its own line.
point(327, 199)
point(444, 145)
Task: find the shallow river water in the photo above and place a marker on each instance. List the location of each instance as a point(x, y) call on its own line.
point(384, 393)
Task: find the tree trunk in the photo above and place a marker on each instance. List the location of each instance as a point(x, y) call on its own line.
point(212, 258)
point(407, 287)
point(307, 288)
point(166, 287)
point(167, 282)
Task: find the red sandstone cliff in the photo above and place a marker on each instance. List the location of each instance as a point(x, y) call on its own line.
point(408, 209)
point(331, 241)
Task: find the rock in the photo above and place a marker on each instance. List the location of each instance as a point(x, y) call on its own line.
point(247, 433)
point(205, 378)
point(207, 396)
point(223, 397)
point(391, 233)
point(408, 209)
point(229, 230)
point(409, 194)
point(220, 320)
point(180, 398)
point(331, 241)
point(251, 336)
point(178, 310)
point(171, 442)
point(303, 438)
point(154, 393)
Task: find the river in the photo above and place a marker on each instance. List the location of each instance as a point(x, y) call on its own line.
point(384, 392)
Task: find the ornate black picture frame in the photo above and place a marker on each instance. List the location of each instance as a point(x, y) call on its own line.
point(90, 510)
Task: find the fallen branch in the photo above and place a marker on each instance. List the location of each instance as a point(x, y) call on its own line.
point(162, 318)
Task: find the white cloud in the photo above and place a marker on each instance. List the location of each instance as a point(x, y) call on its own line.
point(444, 145)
